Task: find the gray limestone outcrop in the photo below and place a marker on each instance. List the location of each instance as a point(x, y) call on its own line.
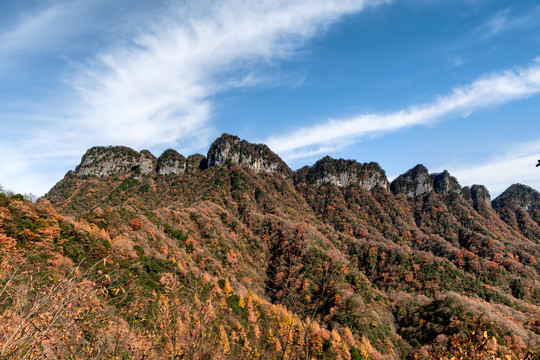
point(147, 163)
point(341, 172)
point(229, 149)
point(414, 182)
point(171, 163)
point(108, 160)
point(444, 183)
point(418, 181)
point(480, 197)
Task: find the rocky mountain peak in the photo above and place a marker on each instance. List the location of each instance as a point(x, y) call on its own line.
point(341, 172)
point(418, 181)
point(414, 182)
point(108, 160)
point(518, 195)
point(230, 149)
point(171, 162)
point(478, 195)
point(147, 162)
point(444, 183)
point(196, 162)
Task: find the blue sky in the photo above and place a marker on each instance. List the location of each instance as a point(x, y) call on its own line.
point(451, 84)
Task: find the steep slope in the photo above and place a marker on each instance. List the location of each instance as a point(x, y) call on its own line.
point(407, 268)
point(229, 149)
point(74, 289)
point(342, 172)
point(519, 206)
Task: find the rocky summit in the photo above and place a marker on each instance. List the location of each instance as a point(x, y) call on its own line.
point(234, 255)
point(342, 172)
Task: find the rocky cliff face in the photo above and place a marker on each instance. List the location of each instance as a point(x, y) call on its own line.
point(106, 161)
point(418, 181)
point(116, 160)
point(414, 182)
point(196, 162)
point(171, 162)
point(519, 206)
point(147, 163)
point(229, 149)
point(479, 196)
point(518, 195)
point(444, 183)
point(342, 172)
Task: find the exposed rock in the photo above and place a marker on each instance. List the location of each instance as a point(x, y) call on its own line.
point(341, 172)
point(519, 206)
point(196, 162)
point(147, 162)
point(108, 160)
point(229, 149)
point(414, 182)
point(480, 197)
point(518, 195)
point(444, 183)
point(171, 162)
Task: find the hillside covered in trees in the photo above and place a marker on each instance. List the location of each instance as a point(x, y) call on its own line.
point(234, 255)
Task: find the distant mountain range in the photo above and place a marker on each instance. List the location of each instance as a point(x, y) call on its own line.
point(234, 255)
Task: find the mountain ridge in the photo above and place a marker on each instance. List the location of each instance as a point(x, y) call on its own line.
point(413, 265)
point(231, 150)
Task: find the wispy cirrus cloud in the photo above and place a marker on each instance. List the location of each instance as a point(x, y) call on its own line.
point(153, 84)
point(157, 88)
point(514, 165)
point(505, 20)
point(487, 91)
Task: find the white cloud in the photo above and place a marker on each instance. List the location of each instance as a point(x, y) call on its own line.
point(48, 29)
point(31, 31)
point(503, 21)
point(517, 165)
point(158, 88)
point(487, 91)
point(152, 85)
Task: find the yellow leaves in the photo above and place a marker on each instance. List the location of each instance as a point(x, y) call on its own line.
point(224, 340)
point(227, 288)
point(348, 337)
point(223, 304)
point(241, 302)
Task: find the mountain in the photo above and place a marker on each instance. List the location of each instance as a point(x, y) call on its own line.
point(235, 255)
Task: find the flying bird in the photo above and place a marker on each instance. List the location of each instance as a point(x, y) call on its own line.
point(537, 165)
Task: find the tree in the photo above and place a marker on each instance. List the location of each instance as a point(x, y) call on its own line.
point(31, 197)
point(304, 278)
